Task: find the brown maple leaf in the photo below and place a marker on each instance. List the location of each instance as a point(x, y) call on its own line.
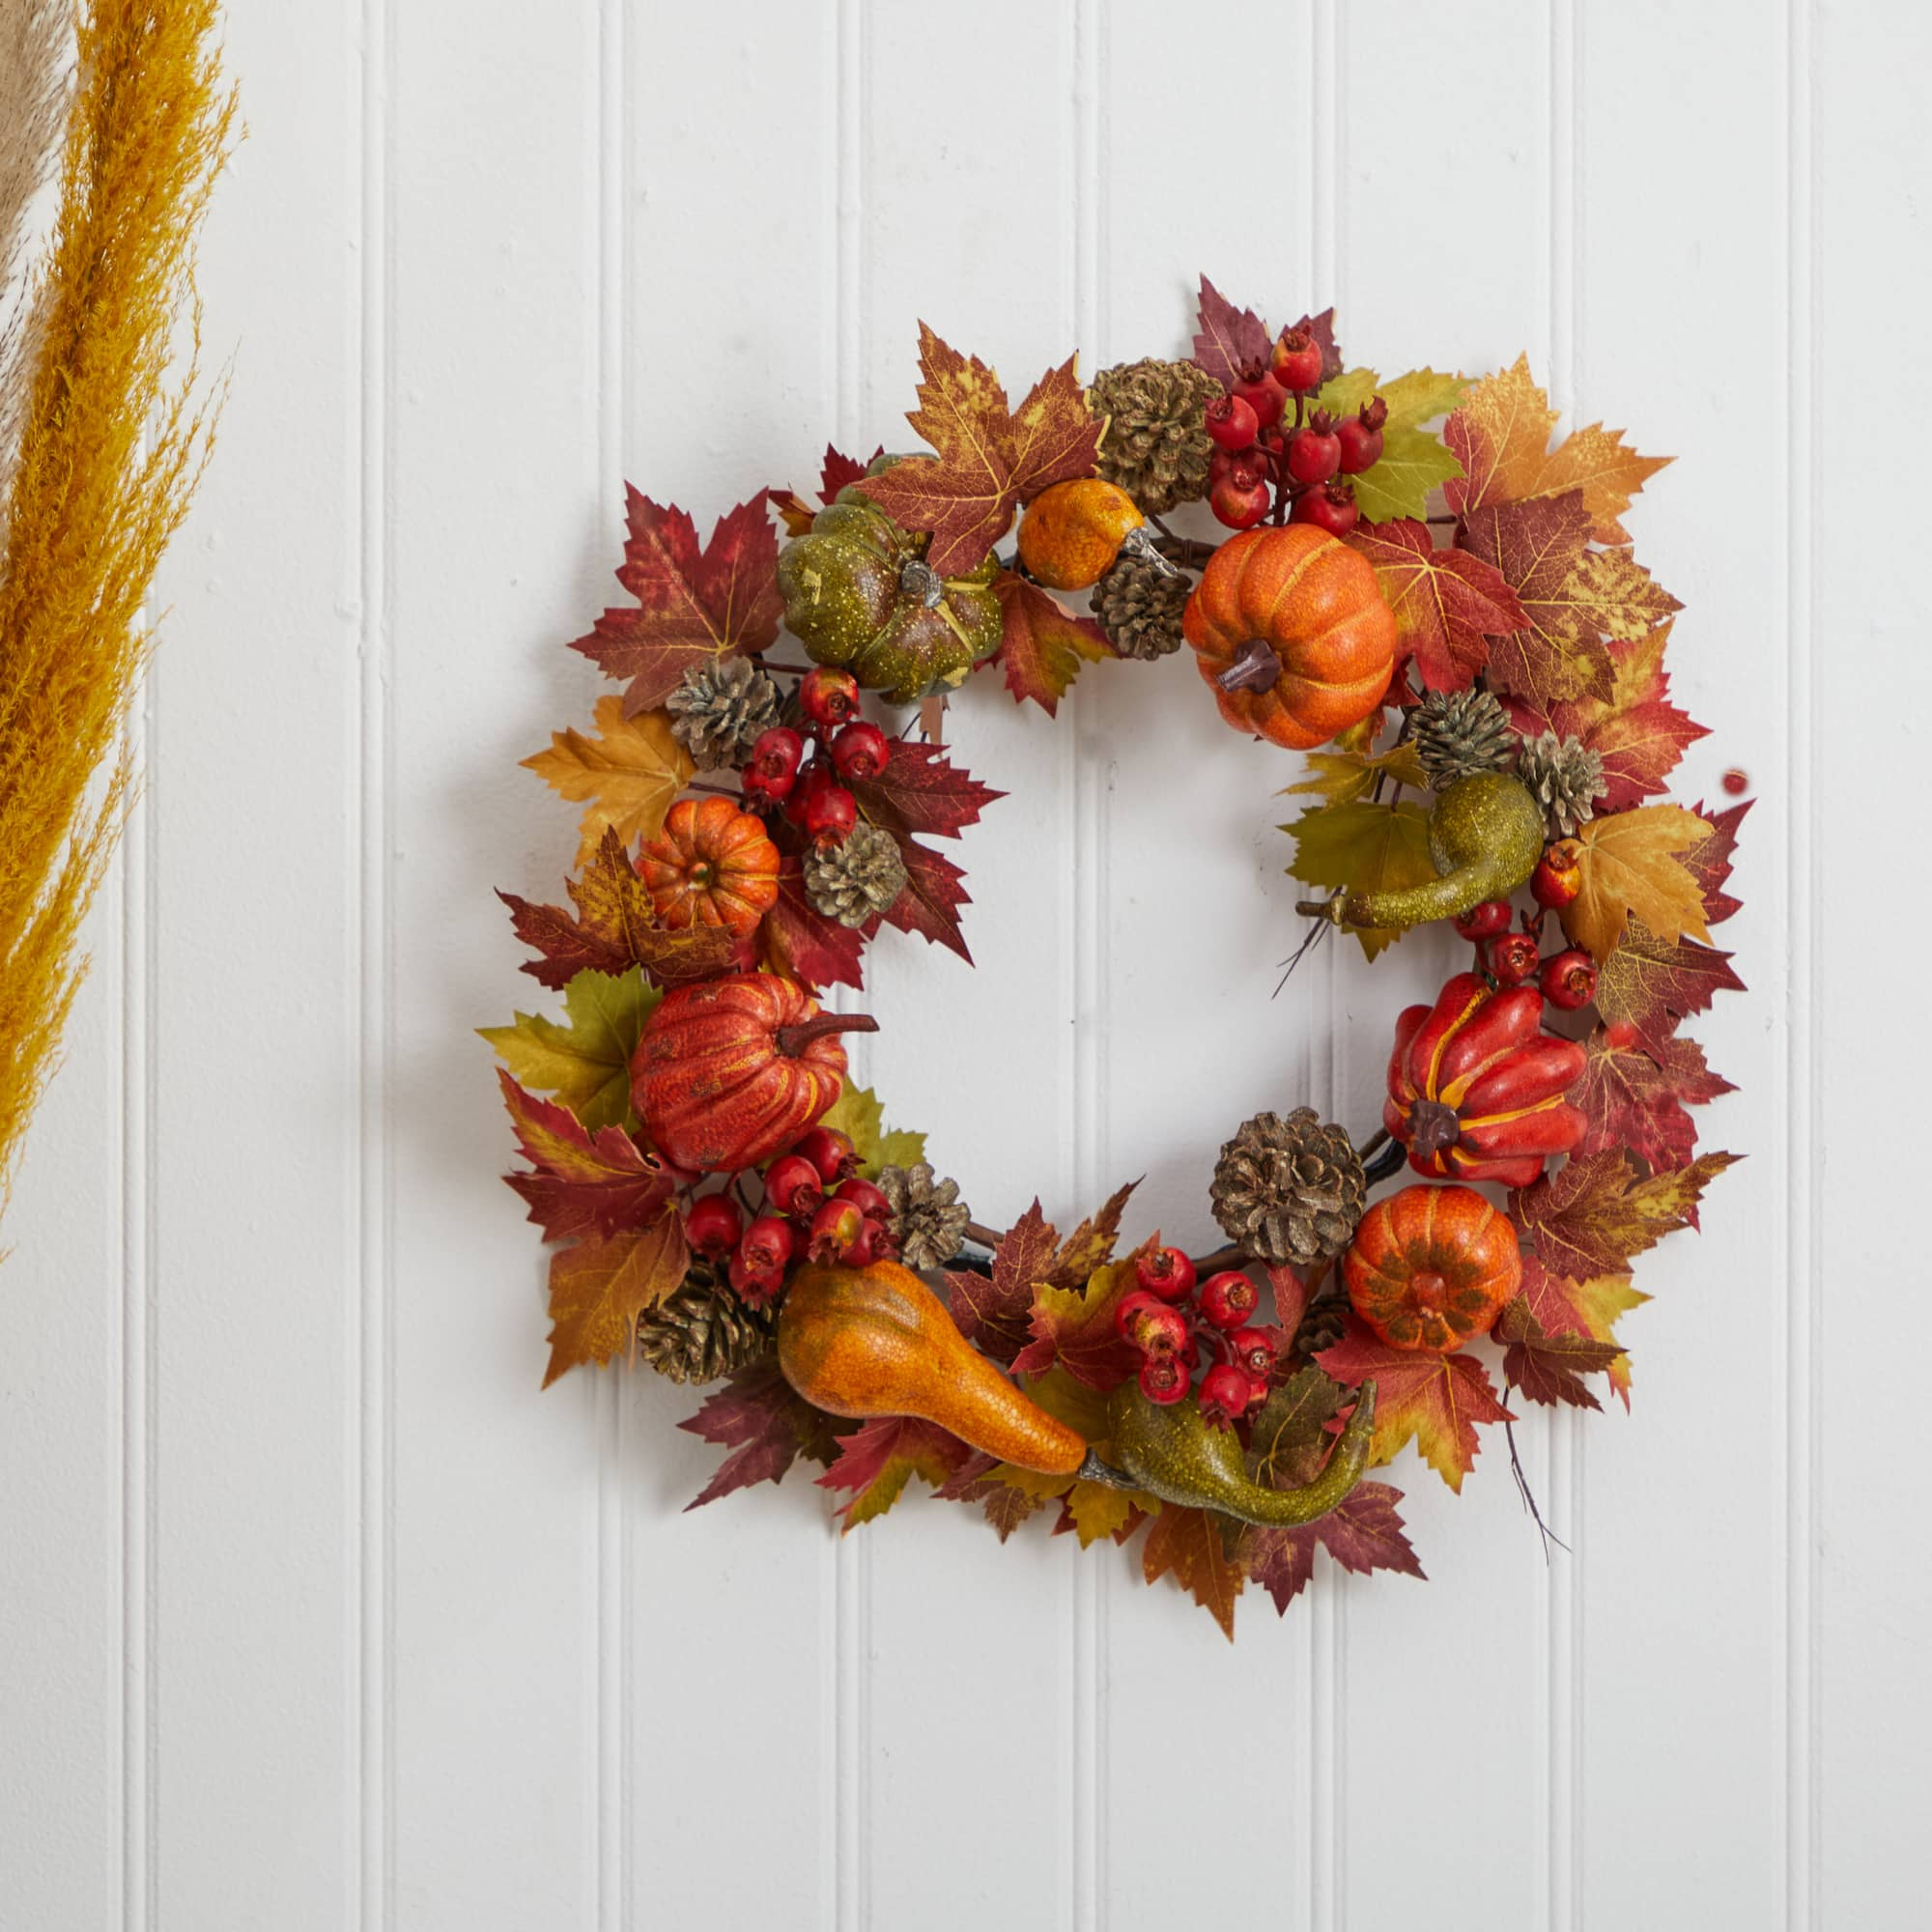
point(879, 1458)
point(1436, 1399)
point(1042, 646)
point(1363, 1532)
point(1191, 1543)
point(1651, 984)
point(599, 1287)
point(1632, 1098)
point(1548, 1368)
point(765, 1424)
point(1597, 1213)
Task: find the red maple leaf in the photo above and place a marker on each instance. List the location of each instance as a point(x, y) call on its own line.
point(799, 942)
point(1538, 549)
point(765, 1423)
point(1548, 1368)
point(584, 1183)
point(1650, 983)
point(1447, 603)
point(1042, 646)
point(1597, 1213)
point(921, 790)
point(1436, 1398)
point(989, 459)
point(1363, 1532)
point(691, 606)
point(876, 1461)
point(1232, 339)
point(1709, 861)
point(930, 905)
point(1632, 1098)
point(1073, 1326)
point(838, 471)
point(994, 1311)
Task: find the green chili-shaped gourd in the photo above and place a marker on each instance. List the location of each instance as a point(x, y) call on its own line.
point(1485, 837)
point(1174, 1453)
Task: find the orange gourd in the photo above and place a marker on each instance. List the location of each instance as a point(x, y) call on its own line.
point(1072, 532)
point(727, 1072)
point(876, 1341)
point(711, 865)
point(1292, 635)
point(1432, 1266)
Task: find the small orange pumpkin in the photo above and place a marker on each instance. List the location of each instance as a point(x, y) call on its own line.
point(711, 865)
point(727, 1072)
point(1072, 531)
point(1431, 1266)
point(1292, 635)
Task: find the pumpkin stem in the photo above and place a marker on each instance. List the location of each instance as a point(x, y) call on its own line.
point(1433, 1126)
point(792, 1041)
point(918, 578)
point(1255, 668)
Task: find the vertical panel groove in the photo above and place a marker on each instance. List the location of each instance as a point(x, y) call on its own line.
point(1802, 1179)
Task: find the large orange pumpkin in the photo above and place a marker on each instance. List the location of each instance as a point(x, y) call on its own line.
point(727, 1072)
point(1292, 635)
point(1431, 1266)
point(711, 865)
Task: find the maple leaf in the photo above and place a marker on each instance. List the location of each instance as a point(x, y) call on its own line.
point(1597, 1213)
point(1092, 1243)
point(1447, 603)
point(1590, 1308)
point(1091, 1510)
point(1546, 1368)
point(584, 1183)
point(1709, 861)
point(1073, 1327)
point(1191, 1544)
point(1341, 776)
point(1630, 867)
point(615, 930)
point(989, 459)
point(691, 606)
point(1232, 339)
point(1320, 331)
point(1650, 985)
point(1289, 1439)
point(630, 774)
point(1436, 1398)
point(1538, 549)
point(799, 942)
point(994, 1311)
point(859, 1113)
point(921, 790)
point(1363, 847)
point(930, 904)
point(1501, 433)
point(1005, 1507)
point(1041, 644)
point(1414, 460)
point(587, 1064)
point(599, 1287)
point(880, 1456)
point(1633, 1098)
point(765, 1423)
point(834, 473)
point(1363, 1532)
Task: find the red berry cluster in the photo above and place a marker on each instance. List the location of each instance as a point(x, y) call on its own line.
point(801, 771)
point(815, 1207)
point(1295, 471)
point(1568, 978)
point(1173, 1325)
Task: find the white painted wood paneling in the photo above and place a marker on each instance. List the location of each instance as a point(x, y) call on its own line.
point(313, 1613)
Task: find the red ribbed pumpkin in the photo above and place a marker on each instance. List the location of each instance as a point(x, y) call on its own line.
point(1431, 1266)
point(1476, 1086)
point(729, 1071)
point(1292, 633)
point(711, 865)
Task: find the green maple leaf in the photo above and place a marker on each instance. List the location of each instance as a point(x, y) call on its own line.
point(1414, 461)
point(1362, 848)
point(587, 1064)
point(859, 1113)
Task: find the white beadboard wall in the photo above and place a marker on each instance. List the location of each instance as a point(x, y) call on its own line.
point(314, 1614)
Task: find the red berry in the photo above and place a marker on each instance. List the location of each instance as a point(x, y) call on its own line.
point(776, 756)
point(1485, 921)
point(831, 813)
point(1514, 957)
point(860, 751)
point(1330, 507)
point(829, 697)
point(1244, 467)
point(1254, 1352)
point(1297, 361)
point(1164, 1378)
point(870, 1243)
point(793, 1186)
point(867, 1198)
point(1130, 1305)
point(1736, 782)
point(1570, 980)
point(1315, 451)
point(1231, 422)
point(1362, 437)
point(1238, 508)
point(1165, 1272)
point(815, 778)
point(767, 1243)
point(1224, 1395)
point(1262, 394)
point(1559, 874)
point(712, 1224)
point(830, 1151)
point(1159, 1329)
point(756, 1288)
point(1228, 1298)
point(835, 1227)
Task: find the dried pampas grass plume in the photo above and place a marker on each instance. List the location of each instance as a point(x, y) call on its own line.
point(108, 457)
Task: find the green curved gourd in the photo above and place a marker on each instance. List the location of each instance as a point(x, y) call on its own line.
point(1485, 837)
point(1173, 1452)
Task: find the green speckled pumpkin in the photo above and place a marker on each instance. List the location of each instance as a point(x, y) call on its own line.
point(859, 595)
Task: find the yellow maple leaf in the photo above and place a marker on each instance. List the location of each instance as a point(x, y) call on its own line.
point(598, 1289)
point(1629, 865)
point(630, 774)
point(1341, 775)
point(1363, 847)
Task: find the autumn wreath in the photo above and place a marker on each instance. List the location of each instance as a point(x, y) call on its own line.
point(1453, 615)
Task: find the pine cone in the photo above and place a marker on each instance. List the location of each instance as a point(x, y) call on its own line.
point(1289, 1190)
point(1565, 777)
point(1139, 606)
point(1459, 733)
point(1156, 446)
point(702, 1330)
point(1322, 1320)
point(720, 709)
point(928, 1217)
point(853, 880)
